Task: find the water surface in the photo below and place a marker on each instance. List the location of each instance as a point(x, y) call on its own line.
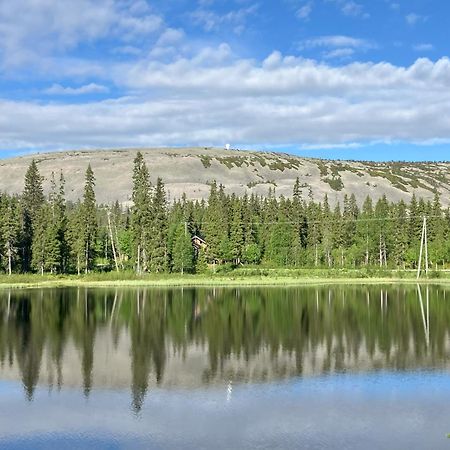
point(341, 367)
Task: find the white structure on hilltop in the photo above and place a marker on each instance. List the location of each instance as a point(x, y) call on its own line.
point(227, 146)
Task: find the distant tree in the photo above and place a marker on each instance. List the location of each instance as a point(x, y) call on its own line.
point(158, 236)
point(140, 212)
point(89, 219)
point(183, 252)
point(32, 201)
point(76, 237)
point(9, 229)
point(215, 227)
point(236, 231)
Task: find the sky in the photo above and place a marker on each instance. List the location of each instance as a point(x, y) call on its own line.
point(349, 79)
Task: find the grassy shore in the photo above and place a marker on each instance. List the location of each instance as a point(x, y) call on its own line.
point(239, 277)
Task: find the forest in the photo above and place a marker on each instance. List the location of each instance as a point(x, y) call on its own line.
point(47, 234)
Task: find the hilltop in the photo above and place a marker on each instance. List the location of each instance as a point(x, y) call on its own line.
point(191, 170)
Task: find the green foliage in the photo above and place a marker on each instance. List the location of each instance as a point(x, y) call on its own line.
point(252, 254)
point(206, 161)
point(183, 252)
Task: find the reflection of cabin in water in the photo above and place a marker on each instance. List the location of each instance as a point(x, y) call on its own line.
point(199, 243)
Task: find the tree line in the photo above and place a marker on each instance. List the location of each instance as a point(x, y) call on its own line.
point(47, 234)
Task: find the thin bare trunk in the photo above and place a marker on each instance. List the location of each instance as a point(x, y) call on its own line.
point(86, 258)
point(9, 259)
point(112, 242)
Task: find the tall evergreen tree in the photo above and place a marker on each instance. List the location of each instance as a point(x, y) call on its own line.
point(140, 212)
point(183, 253)
point(89, 219)
point(9, 230)
point(32, 201)
point(236, 230)
point(215, 227)
point(158, 238)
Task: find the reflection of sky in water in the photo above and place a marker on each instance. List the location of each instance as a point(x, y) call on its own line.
point(379, 410)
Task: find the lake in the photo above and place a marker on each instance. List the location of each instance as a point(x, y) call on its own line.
point(346, 367)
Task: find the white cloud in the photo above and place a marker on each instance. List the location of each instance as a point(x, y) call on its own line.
point(235, 20)
point(336, 41)
point(337, 46)
point(32, 29)
point(91, 88)
point(305, 11)
point(350, 8)
point(341, 53)
point(413, 18)
point(423, 47)
point(170, 36)
point(282, 100)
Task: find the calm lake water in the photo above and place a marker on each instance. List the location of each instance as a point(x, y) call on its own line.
point(342, 367)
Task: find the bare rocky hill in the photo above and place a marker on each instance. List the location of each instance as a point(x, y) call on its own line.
point(191, 170)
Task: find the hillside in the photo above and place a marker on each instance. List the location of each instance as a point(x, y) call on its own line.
point(191, 170)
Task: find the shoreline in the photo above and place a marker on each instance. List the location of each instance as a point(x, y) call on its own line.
point(215, 281)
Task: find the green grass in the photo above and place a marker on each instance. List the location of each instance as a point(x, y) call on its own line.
point(251, 276)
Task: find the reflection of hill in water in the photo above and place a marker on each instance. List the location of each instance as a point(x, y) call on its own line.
point(196, 337)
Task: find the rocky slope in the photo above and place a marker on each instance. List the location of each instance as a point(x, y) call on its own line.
point(191, 170)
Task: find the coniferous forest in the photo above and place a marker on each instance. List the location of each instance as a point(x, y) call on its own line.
point(49, 235)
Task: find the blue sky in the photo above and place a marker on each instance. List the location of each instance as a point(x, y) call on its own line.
point(329, 78)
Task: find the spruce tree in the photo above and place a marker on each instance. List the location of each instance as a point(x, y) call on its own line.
point(89, 220)
point(140, 213)
point(158, 238)
point(75, 237)
point(236, 231)
point(327, 231)
point(183, 252)
point(215, 225)
point(32, 201)
point(9, 230)
point(400, 234)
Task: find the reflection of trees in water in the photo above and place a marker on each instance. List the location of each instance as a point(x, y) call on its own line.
point(321, 329)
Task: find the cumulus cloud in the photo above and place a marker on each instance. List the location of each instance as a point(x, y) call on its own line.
point(282, 100)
